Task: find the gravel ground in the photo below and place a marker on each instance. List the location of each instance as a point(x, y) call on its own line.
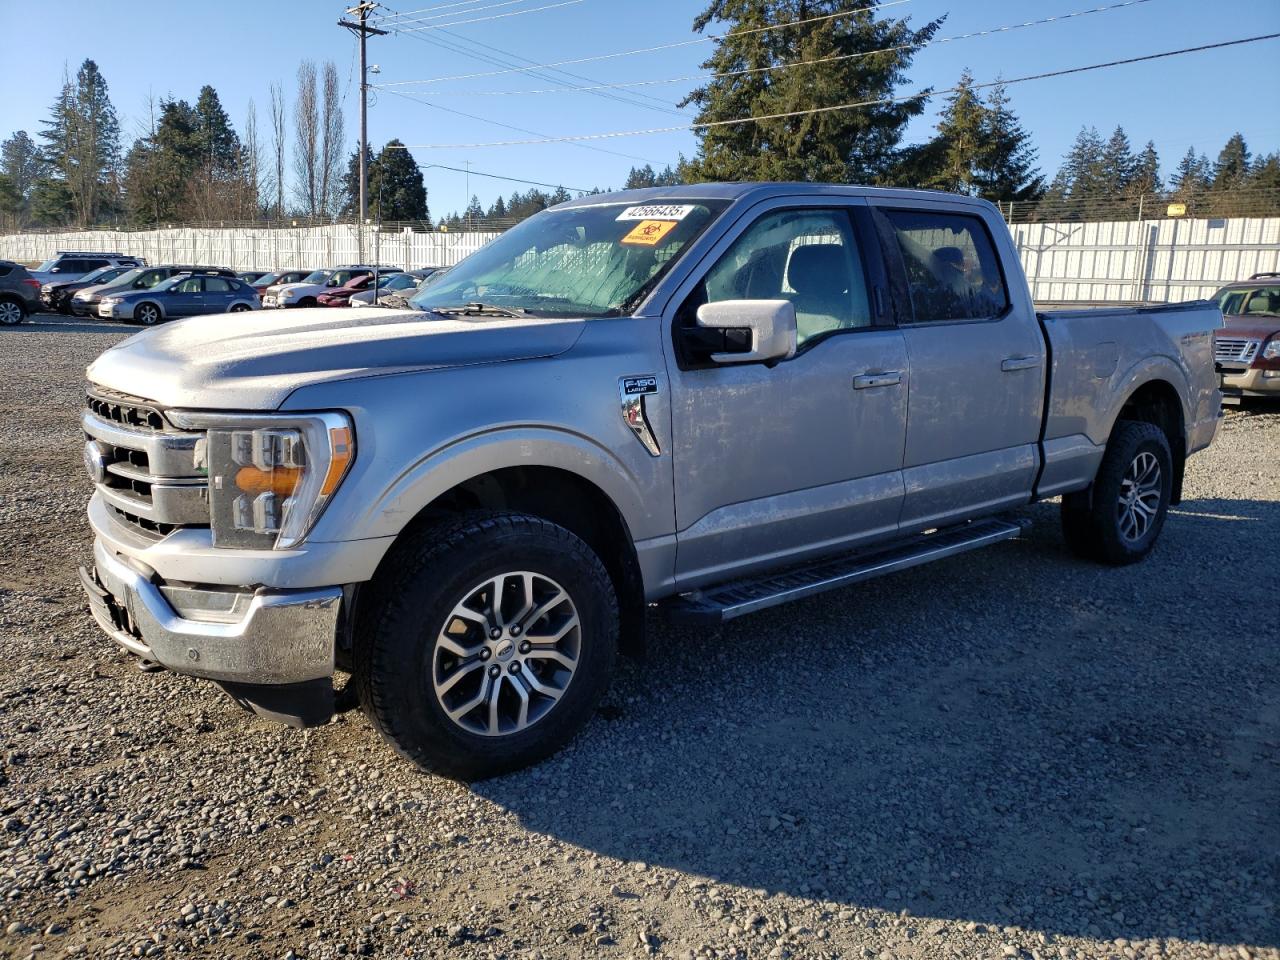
point(1009, 754)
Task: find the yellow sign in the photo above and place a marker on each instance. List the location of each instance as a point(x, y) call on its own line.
point(647, 233)
point(1176, 210)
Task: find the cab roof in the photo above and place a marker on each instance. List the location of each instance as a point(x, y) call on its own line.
point(763, 191)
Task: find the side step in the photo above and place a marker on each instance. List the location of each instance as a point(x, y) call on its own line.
point(726, 601)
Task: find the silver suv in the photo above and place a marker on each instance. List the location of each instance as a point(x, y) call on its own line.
point(68, 265)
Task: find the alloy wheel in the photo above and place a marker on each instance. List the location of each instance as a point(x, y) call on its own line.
point(148, 315)
point(1138, 504)
point(506, 654)
point(10, 313)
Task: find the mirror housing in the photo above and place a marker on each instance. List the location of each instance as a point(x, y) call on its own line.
point(770, 325)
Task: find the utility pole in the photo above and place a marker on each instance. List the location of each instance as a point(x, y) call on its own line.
point(362, 30)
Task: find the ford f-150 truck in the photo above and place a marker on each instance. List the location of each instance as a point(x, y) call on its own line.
point(708, 398)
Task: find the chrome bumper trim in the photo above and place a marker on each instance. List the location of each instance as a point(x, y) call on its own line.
point(283, 637)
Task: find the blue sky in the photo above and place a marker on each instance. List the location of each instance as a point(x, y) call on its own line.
point(171, 49)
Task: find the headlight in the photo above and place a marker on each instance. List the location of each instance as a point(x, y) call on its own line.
point(271, 475)
point(110, 301)
point(1271, 350)
point(287, 294)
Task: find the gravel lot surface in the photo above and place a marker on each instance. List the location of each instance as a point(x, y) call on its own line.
point(1008, 754)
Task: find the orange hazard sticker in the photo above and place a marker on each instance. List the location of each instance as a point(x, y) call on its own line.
point(647, 233)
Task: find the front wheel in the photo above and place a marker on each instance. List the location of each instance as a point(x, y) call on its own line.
point(486, 644)
point(1119, 518)
point(12, 313)
point(147, 314)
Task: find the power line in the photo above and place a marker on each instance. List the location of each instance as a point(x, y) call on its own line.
point(496, 16)
point(496, 176)
point(990, 31)
point(393, 22)
point(665, 46)
point(394, 14)
point(843, 106)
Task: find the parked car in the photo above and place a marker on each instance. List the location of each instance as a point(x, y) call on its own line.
point(715, 398)
point(306, 292)
point(55, 296)
point(400, 285)
point(187, 294)
point(19, 293)
point(251, 276)
point(279, 278)
point(72, 265)
point(85, 302)
point(1247, 349)
point(341, 296)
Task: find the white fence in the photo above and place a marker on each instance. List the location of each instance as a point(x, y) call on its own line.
point(1147, 260)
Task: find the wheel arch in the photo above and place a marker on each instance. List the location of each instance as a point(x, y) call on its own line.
point(564, 497)
point(148, 303)
point(1156, 400)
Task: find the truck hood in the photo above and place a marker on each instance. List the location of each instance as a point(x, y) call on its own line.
point(254, 360)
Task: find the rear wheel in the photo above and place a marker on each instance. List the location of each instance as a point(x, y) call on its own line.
point(307, 302)
point(12, 313)
point(147, 314)
point(1119, 518)
point(487, 644)
point(239, 307)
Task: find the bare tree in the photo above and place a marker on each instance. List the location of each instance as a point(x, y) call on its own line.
point(278, 135)
point(306, 147)
point(331, 141)
point(252, 163)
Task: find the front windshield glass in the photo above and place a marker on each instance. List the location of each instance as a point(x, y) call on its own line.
point(595, 261)
point(264, 280)
point(102, 275)
point(1250, 301)
point(316, 276)
point(127, 277)
point(47, 265)
point(170, 283)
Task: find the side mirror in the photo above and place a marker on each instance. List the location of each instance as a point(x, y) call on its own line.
point(765, 329)
point(55, 269)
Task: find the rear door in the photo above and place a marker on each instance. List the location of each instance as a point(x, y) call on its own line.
point(218, 294)
point(186, 298)
point(977, 356)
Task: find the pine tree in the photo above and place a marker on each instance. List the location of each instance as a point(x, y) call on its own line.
point(640, 177)
point(350, 206)
point(160, 167)
point(1191, 177)
point(1117, 165)
point(81, 150)
point(561, 195)
point(399, 191)
point(20, 164)
point(1233, 166)
point(1266, 172)
point(215, 140)
point(474, 212)
point(1146, 173)
point(1082, 173)
point(857, 144)
point(1006, 167)
point(499, 209)
point(961, 135)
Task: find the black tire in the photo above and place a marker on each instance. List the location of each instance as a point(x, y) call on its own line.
point(147, 314)
point(307, 302)
point(12, 312)
point(238, 308)
point(1093, 521)
point(414, 599)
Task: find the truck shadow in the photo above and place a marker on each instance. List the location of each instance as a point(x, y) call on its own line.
point(1009, 738)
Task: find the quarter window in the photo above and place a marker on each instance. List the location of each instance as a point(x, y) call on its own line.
point(952, 269)
point(805, 256)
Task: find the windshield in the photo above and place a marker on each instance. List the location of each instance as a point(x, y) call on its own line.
point(593, 261)
point(265, 280)
point(127, 277)
point(102, 275)
point(1250, 301)
point(170, 283)
point(316, 276)
point(340, 278)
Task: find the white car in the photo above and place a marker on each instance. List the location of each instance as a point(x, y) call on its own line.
point(304, 293)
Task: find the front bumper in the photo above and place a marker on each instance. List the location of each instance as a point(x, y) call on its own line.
point(114, 311)
point(84, 308)
point(1251, 382)
point(262, 637)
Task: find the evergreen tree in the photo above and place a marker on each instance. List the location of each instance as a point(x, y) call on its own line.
point(1146, 173)
point(1191, 176)
point(399, 191)
point(1266, 172)
point(837, 145)
point(20, 165)
point(561, 195)
point(1117, 166)
point(474, 212)
point(667, 177)
point(961, 137)
point(160, 167)
point(1006, 167)
point(215, 140)
point(81, 150)
point(499, 209)
point(1233, 166)
point(640, 177)
point(1082, 175)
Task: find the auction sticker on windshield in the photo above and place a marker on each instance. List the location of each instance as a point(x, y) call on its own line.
point(658, 211)
point(647, 233)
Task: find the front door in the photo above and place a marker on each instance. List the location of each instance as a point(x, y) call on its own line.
point(977, 370)
point(775, 462)
point(186, 298)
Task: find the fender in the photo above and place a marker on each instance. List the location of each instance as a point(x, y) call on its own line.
point(1142, 372)
point(531, 445)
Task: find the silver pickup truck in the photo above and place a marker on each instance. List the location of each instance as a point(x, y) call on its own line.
point(710, 398)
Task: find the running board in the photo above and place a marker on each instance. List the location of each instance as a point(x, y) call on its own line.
point(726, 601)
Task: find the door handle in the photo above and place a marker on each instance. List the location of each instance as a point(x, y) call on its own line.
point(1019, 363)
point(887, 379)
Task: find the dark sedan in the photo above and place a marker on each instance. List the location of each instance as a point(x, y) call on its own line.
point(55, 296)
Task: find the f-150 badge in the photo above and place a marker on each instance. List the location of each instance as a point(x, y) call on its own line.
point(633, 391)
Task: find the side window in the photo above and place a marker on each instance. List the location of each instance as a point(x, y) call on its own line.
point(806, 256)
point(216, 285)
point(952, 269)
point(95, 264)
point(149, 279)
point(190, 285)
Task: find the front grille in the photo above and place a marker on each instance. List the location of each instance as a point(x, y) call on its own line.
point(143, 468)
point(123, 410)
point(1234, 350)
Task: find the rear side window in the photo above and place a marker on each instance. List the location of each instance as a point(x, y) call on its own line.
point(95, 264)
point(952, 269)
point(5, 269)
point(216, 285)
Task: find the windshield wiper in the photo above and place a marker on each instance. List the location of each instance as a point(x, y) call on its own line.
point(478, 309)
